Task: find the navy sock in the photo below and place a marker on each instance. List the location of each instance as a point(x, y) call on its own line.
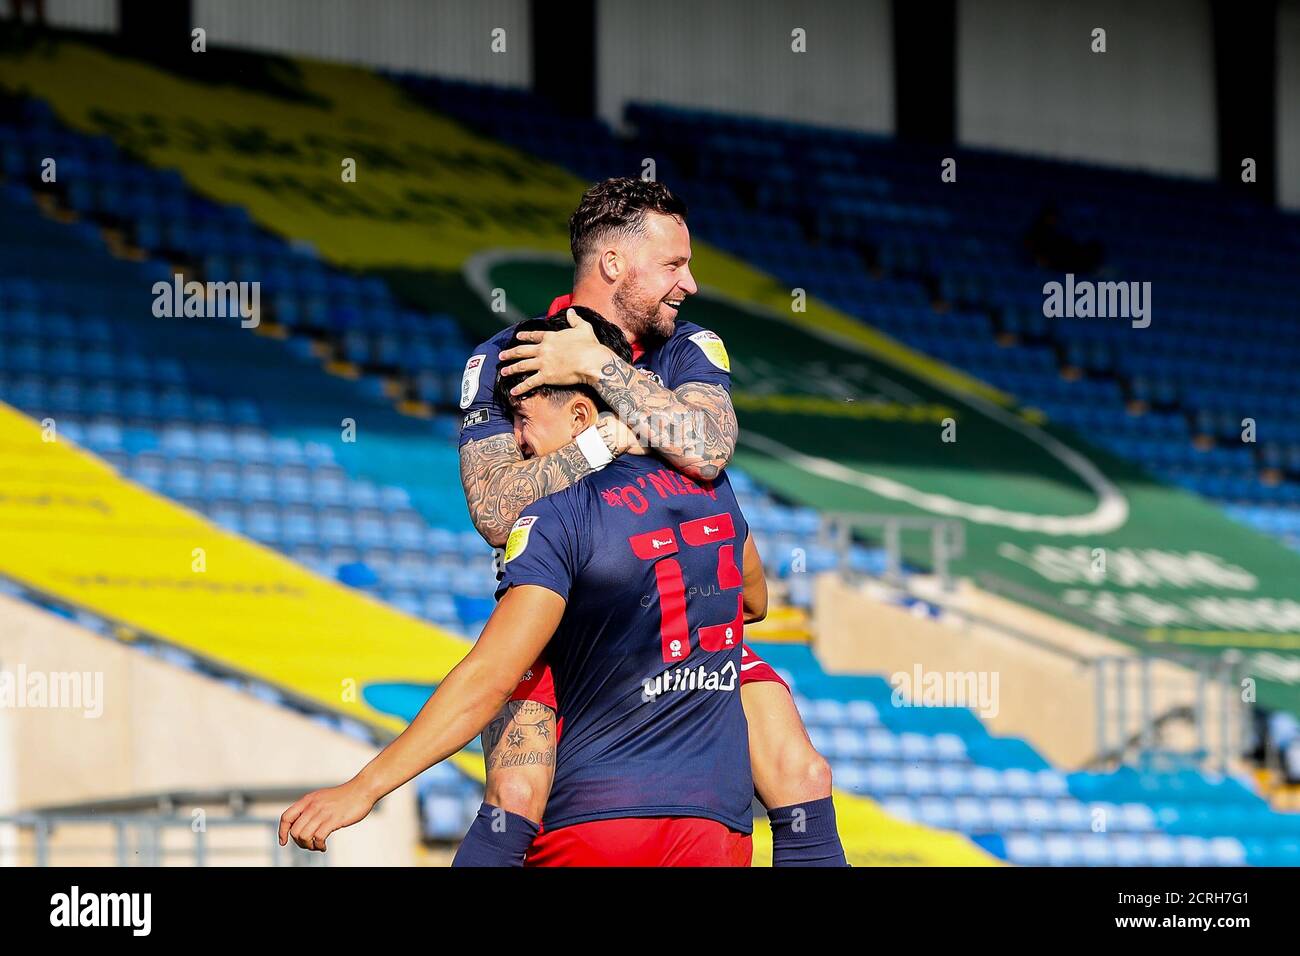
point(804, 834)
point(496, 838)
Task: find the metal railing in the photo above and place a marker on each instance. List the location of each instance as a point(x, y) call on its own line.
point(947, 540)
point(1221, 720)
point(1127, 734)
point(150, 831)
point(1137, 718)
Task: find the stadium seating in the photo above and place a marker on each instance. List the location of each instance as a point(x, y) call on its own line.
point(110, 393)
point(174, 410)
point(167, 414)
point(939, 766)
point(888, 243)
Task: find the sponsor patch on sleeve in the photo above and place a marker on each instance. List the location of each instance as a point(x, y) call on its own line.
point(469, 382)
point(518, 540)
point(476, 417)
point(712, 348)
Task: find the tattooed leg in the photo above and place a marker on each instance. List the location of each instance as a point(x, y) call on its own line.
point(519, 751)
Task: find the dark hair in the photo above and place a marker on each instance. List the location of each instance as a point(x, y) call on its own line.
point(617, 206)
point(607, 334)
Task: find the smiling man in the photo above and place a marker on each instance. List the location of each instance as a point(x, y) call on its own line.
point(652, 760)
point(632, 255)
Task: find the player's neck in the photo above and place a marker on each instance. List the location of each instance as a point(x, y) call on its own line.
point(600, 298)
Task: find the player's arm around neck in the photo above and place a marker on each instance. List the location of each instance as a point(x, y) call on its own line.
point(499, 482)
point(693, 427)
point(464, 702)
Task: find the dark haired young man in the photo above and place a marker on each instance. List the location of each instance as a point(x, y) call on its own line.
point(634, 581)
point(631, 251)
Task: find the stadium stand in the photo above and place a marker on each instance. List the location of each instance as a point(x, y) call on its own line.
point(939, 766)
point(226, 430)
point(889, 241)
point(171, 410)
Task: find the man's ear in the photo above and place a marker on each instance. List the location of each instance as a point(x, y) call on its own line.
point(612, 265)
point(584, 414)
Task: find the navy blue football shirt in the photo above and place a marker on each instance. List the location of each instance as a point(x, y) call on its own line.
point(691, 354)
point(647, 655)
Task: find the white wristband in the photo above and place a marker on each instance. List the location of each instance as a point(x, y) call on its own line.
point(593, 448)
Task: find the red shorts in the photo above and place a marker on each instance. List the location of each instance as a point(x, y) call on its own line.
point(648, 841)
point(539, 685)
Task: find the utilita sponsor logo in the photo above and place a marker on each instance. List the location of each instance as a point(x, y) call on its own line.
point(690, 678)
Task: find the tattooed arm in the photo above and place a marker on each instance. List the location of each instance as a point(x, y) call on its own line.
point(692, 426)
point(499, 482)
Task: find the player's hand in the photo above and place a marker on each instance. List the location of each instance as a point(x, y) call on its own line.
point(619, 439)
point(572, 356)
point(314, 817)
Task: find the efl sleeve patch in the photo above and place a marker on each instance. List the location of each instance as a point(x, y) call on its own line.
point(712, 348)
point(469, 382)
point(517, 543)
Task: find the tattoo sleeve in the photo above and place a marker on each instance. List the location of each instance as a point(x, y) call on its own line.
point(499, 483)
point(693, 426)
point(521, 735)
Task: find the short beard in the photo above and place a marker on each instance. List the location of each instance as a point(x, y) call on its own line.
point(642, 319)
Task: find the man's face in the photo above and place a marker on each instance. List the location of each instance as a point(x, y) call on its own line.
point(658, 278)
point(543, 425)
